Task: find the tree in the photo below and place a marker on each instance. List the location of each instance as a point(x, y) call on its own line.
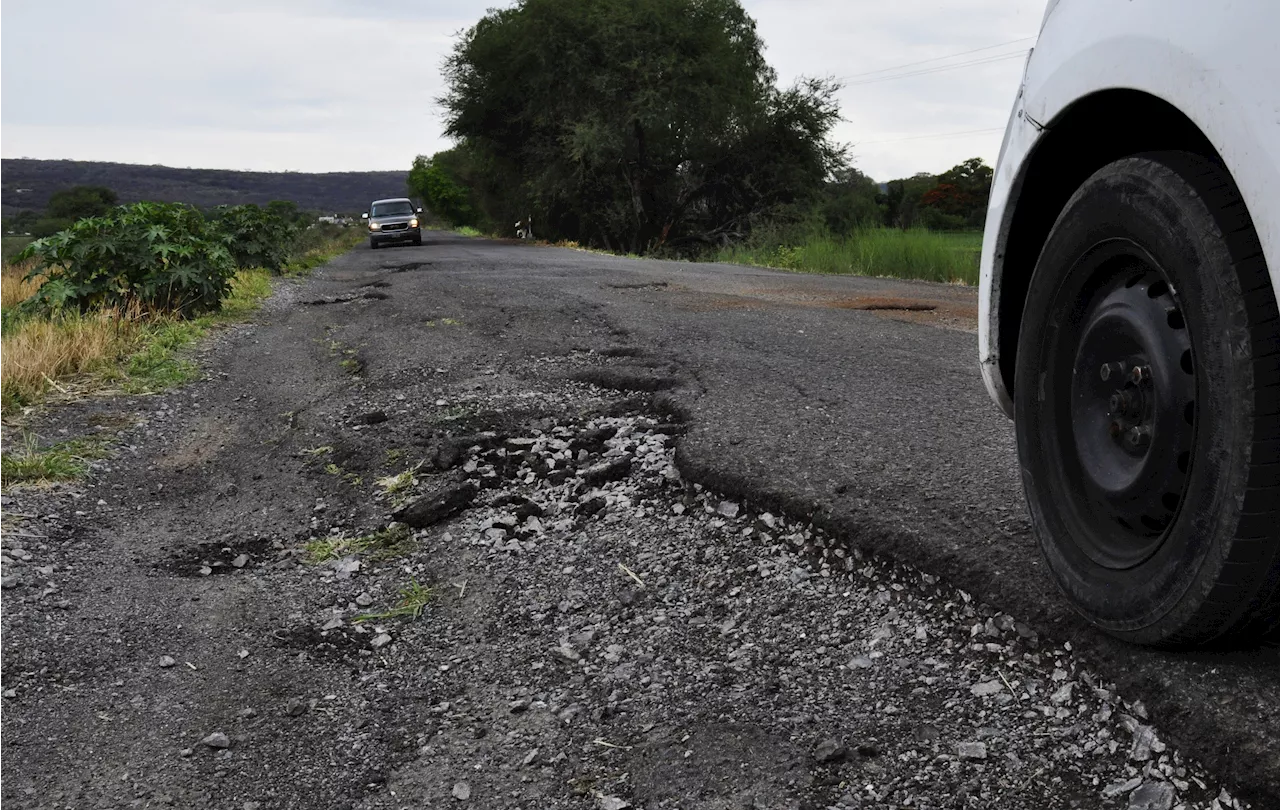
point(633, 125)
point(902, 199)
point(961, 193)
point(78, 202)
point(850, 201)
point(443, 195)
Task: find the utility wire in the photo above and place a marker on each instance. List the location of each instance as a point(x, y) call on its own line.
point(940, 58)
point(935, 135)
point(941, 69)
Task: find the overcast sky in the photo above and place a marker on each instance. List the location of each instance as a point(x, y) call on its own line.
point(335, 85)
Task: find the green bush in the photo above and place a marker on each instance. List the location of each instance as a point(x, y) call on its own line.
point(256, 237)
point(160, 256)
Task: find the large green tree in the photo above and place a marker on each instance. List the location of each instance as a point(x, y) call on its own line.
point(78, 202)
point(633, 125)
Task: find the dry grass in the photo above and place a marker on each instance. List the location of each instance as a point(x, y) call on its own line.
point(41, 350)
point(14, 287)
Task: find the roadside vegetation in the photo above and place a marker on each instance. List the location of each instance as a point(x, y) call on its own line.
point(657, 128)
point(111, 302)
point(914, 253)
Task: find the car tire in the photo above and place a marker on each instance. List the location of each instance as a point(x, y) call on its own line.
point(417, 241)
point(373, 244)
point(1155, 493)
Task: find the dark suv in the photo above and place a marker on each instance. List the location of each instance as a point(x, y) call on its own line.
point(394, 220)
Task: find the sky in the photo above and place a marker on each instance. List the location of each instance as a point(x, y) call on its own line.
point(343, 85)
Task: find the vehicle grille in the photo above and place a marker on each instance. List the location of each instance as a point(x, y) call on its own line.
point(395, 226)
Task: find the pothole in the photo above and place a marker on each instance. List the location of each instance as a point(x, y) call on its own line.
point(217, 557)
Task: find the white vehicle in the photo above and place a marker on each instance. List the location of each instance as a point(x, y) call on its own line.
point(1128, 319)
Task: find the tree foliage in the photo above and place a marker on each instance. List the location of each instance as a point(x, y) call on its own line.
point(161, 256)
point(633, 125)
point(432, 180)
point(78, 202)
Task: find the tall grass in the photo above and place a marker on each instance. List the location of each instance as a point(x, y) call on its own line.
point(39, 351)
point(910, 254)
point(14, 286)
point(133, 351)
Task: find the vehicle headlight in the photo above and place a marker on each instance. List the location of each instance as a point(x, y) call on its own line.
point(413, 223)
point(373, 226)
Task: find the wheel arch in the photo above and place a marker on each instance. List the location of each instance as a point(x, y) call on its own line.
point(1087, 135)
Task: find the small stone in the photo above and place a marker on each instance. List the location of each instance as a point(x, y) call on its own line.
point(611, 803)
point(728, 509)
point(591, 505)
point(372, 418)
point(986, 688)
point(241, 561)
point(860, 662)
point(1063, 695)
point(186, 752)
point(1152, 796)
point(380, 640)
point(332, 624)
point(1144, 743)
point(437, 505)
point(251, 806)
point(566, 653)
point(166, 661)
point(518, 706)
point(217, 740)
point(295, 707)
point(972, 750)
point(529, 758)
point(1116, 788)
point(364, 599)
point(462, 791)
point(830, 751)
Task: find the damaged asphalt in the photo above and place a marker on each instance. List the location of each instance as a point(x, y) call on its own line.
point(799, 396)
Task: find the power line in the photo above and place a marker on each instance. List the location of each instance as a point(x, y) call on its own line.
point(940, 58)
point(941, 69)
point(934, 135)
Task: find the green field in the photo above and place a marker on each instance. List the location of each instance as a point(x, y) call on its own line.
point(949, 257)
point(13, 245)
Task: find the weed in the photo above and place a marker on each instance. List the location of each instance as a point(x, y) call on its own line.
point(467, 230)
point(383, 544)
point(450, 322)
point(64, 461)
point(394, 455)
point(351, 365)
point(392, 484)
point(333, 469)
point(413, 599)
point(317, 451)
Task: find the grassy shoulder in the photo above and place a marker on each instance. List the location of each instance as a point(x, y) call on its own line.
point(72, 354)
point(947, 257)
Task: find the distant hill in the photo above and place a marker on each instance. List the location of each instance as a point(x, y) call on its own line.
point(28, 184)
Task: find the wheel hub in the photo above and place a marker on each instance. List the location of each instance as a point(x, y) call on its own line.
point(1132, 408)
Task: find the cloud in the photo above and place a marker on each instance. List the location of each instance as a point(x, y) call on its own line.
point(330, 85)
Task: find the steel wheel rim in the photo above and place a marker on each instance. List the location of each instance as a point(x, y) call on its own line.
point(1124, 411)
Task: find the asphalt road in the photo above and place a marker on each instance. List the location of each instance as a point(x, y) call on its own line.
point(874, 423)
point(801, 394)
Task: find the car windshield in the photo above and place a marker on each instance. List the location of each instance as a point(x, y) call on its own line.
point(390, 209)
